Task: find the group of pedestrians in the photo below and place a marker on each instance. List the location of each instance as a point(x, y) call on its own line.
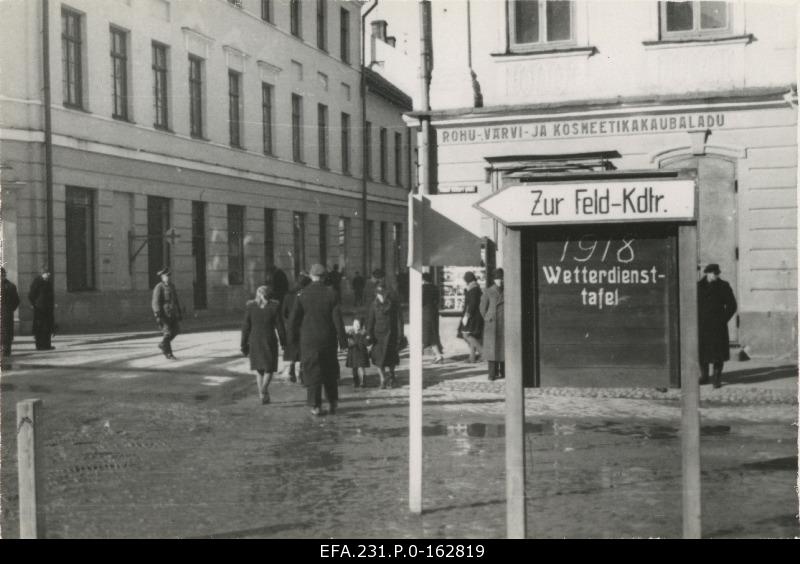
point(42, 301)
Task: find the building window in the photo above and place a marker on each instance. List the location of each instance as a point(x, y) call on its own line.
point(235, 108)
point(398, 158)
point(383, 155)
point(344, 35)
point(196, 96)
point(383, 245)
point(368, 148)
point(158, 248)
point(269, 238)
point(345, 143)
point(322, 131)
point(266, 10)
point(322, 25)
point(323, 239)
point(119, 73)
point(297, 128)
point(344, 240)
point(71, 56)
point(299, 240)
point(295, 18)
point(537, 23)
point(160, 89)
point(235, 245)
point(397, 245)
point(80, 239)
point(370, 243)
point(694, 19)
point(266, 116)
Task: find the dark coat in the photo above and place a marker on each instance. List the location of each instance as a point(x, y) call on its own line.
point(9, 302)
point(280, 284)
point(358, 283)
point(259, 342)
point(472, 307)
point(716, 306)
point(316, 323)
point(492, 312)
point(385, 329)
point(357, 353)
point(165, 303)
point(430, 315)
point(291, 348)
point(42, 298)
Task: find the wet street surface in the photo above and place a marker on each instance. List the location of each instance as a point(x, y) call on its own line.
point(138, 447)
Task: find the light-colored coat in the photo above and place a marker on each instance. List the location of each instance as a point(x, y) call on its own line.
point(492, 312)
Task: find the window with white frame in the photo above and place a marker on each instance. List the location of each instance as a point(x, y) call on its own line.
point(537, 24)
point(72, 55)
point(694, 19)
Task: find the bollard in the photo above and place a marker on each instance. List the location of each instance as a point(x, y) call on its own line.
point(30, 469)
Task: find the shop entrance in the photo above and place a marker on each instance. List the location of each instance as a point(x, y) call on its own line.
point(603, 306)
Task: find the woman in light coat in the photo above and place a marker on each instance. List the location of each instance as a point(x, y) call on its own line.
point(492, 312)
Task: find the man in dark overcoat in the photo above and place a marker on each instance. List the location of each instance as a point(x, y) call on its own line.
point(493, 318)
point(167, 310)
point(716, 307)
point(43, 302)
point(277, 280)
point(9, 302)
point(316, 323)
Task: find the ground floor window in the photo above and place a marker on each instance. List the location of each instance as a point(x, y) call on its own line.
point(80, 239)
point(299, 242)
point(235, 245)
point(158, 223)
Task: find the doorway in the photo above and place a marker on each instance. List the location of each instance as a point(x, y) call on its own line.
point(199, 254)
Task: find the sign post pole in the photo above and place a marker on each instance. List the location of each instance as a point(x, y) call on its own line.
point(30, 470)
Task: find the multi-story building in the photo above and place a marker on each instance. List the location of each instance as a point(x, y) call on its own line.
point(549, 87)
point(220, 138)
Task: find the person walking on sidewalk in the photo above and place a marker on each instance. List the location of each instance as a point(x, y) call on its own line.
point(42, 298)
point(262, 330)
point(384, 326)
point(358, 353)
point(9, 302)
point(276, 279)
point(358, 288)
point(291, 349)
point(316, 323)
point(430, 318)
point(167, 310)
point(716, 305)
point(471, 326)
point(492, 312)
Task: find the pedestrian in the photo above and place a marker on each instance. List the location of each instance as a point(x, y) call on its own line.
point(384, 328)
point(492, 312)
point(430, 318)
point(291, 348)
point(42, 298)
point(276, 279)
point(9, 302)
point(357, 353)
point(471, 326)
point(167, 310)
point(335, 279)
point(716, 306)
point(358, 288)
point(262, 330)
point(316, 323)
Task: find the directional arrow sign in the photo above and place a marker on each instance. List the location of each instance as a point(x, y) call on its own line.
point(592, 202)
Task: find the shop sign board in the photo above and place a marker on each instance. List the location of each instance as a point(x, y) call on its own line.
point(592, 202)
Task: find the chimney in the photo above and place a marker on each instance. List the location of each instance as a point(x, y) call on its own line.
point(379, 29)
point(391, 40)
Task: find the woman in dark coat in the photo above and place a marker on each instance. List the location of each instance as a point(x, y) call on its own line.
point(492, 312)
point(384, 331)
point(716, 305)
point(471, 327)
point(263, 326)
point(430, 318)
point(291, 349)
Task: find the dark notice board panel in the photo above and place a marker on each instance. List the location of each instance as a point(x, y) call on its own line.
point(606, 306)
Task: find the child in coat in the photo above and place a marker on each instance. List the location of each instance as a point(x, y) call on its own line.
point(357, 353)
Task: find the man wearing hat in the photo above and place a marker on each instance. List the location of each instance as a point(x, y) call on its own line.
point(716, 307)
point(9, 302)
point(167, 309)
point(42, 298)
point(316, 324)
point(492, 312)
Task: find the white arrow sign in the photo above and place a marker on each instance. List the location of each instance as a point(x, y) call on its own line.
point(592, 202)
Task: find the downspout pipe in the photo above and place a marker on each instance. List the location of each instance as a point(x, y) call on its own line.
point(364, 240)
point(48, 131)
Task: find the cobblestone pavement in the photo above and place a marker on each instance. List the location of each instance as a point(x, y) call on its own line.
point(136, 446)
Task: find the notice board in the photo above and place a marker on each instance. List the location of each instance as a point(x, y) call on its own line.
point(605, 307)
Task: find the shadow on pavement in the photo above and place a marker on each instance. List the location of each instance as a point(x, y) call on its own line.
point(763, 374)
point(258, 531)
